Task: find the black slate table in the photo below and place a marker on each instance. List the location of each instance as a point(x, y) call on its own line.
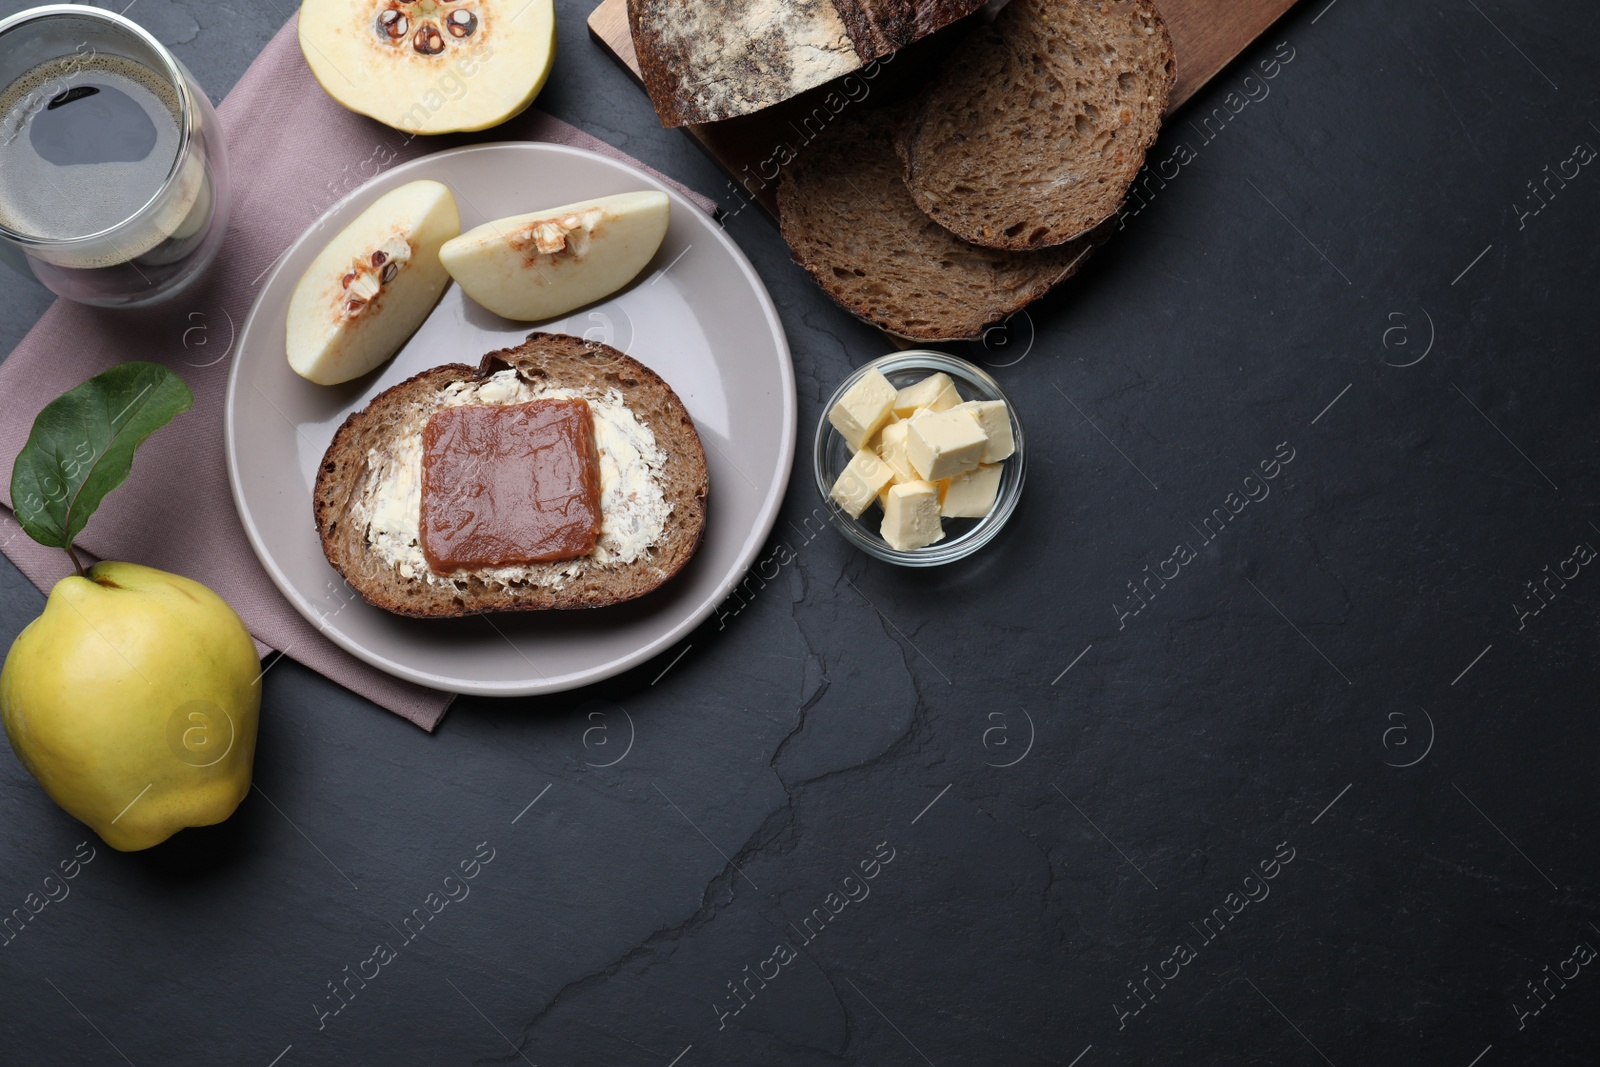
point(1197, 763)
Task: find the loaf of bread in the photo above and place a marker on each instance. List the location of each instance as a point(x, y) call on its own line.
point(849, 220)
point(368, 452)
point(879, 27)
point(705, 60)
point(1032, 133)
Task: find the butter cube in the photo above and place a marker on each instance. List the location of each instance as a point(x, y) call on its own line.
point(945, 444)
point(996, 422)
point(874, 443)
point(971, 495)
point(883, 494)
point(935, 392)
point(911, 517)
point(892, 446)
point(864, 408)
point(860, 482)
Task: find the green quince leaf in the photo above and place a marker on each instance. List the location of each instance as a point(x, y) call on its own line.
point(82, 446)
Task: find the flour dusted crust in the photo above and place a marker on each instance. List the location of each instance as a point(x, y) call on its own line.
point(879, 27)
point(561, 364)
point(705, 60)
point(712, 59)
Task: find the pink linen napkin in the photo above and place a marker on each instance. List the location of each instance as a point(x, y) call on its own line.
point(292, 153)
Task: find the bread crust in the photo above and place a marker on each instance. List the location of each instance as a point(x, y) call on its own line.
point(565, 361)
point(707, 60)
point(1042, 123)
point(879, 27)
point(849, 220)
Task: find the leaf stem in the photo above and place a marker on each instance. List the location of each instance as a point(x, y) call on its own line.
point(75, 564)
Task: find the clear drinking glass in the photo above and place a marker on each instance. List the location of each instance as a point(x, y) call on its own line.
point(83, 92)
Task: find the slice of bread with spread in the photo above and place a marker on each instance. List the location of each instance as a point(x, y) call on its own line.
point(1039, 123)
point(652, 475)
point(844, 209)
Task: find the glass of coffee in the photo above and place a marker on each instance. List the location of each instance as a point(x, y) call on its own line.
point(113, 172)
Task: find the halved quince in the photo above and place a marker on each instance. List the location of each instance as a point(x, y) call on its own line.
point(430, 66)
point(546, 263)
point(372, 285)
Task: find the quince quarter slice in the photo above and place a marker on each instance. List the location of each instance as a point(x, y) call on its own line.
point(372, 285)
point(546, 263)
point(430, 66)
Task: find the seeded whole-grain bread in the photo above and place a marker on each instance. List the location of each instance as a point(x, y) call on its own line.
point(705, 60)
point(1039, 123)
point(562, 360)
point(844, 209)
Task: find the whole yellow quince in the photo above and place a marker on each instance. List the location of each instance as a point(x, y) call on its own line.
point(134, 701)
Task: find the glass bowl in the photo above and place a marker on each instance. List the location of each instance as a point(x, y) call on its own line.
point(962, 537)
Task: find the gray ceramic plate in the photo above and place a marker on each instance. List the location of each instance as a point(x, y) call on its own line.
point(698, 315)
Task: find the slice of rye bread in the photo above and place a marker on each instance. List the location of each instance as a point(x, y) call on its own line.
point(706, 60)
point(561, 360)
point(1041, 122)
point(844, 209)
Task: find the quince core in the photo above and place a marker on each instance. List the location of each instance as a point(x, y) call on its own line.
point(430, 66)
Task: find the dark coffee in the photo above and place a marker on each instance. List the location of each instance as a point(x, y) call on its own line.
point(85, 143)
point(93, 123)
point(113, 177)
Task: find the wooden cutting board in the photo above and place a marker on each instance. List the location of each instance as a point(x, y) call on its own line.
point(1206, 35)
